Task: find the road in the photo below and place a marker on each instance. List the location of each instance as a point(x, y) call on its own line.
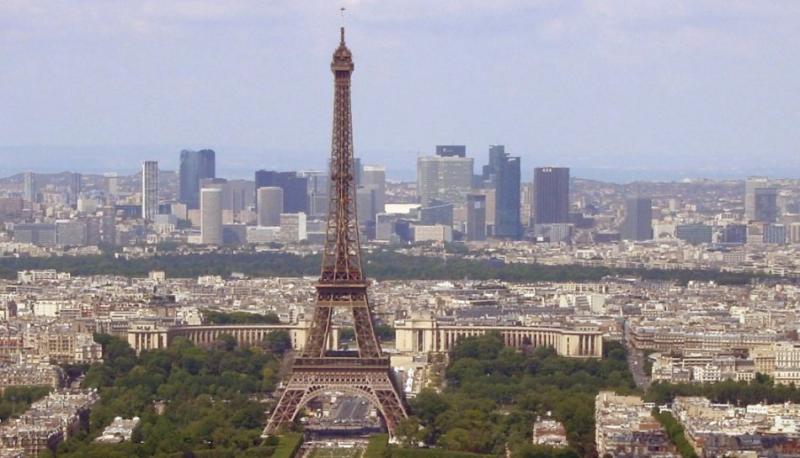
point(636, 363)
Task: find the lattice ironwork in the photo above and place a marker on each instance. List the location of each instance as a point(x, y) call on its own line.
point(341, 285)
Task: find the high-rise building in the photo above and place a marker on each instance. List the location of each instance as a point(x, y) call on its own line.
point(476, 217)
point(437, 213)
point(211, 216)
point(793, 233)
point(551, 195)
point(38, 234)
point(29, 190)
point(694, 234)
point(373, 177)
point(75, 186)
point(444, 178)
point(195, 165)
point(71, 233)
point(365, 205)
point(295, 188)
point(638, 224)
point(242, 194)
point(149, 190)
point(112, 186)
point(489, 171)
point(318, 187)
point(750, 186)
point(270, 206)
point(293, 227)
point(526, 204)
point(451, 150)
point(765, 203)
point(222, 185)
point(775, 233)
point(735, 234)
point(506, 170)
point(108, 226)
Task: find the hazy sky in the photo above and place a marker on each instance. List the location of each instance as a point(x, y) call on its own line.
point(680, 87)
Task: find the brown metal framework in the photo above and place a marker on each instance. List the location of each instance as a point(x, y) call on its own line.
point(367, 372)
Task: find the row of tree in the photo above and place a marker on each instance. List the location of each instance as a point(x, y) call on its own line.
point(761, 390)
point(219, 317)
point(675, 432)
point(380, 264)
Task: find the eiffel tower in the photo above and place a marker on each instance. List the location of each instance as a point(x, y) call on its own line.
point(365, 373)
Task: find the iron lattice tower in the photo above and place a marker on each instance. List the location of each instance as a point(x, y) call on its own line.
point(365, 372)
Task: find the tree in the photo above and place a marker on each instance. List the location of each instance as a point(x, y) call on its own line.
point(226, 342)
point(408, 432)
point(278, 342)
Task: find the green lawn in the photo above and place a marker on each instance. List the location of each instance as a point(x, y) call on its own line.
point(337, 452)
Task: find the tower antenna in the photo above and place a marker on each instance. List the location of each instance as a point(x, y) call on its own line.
point(341, 12)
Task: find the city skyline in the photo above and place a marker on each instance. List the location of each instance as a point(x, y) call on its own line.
point(259, 301)
point(574, 85)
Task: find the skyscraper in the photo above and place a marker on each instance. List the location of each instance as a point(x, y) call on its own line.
point(373, 177)
point(242, 194)
point(195, 165)
point(489, 171)
point(765, 204)
point(29, 190)
point(295, 188)
point(318, 189)
point(75, 186)
point(451, 150)
point(638, 223)
point(526, 204)
point(444, 178)
point(108, 227)
point(506, 172)
point(112, 186)
point(211, 216)
point(750, 186)
point(551, 195)
point(149, 190)
point(476, 217)
point(270, 206)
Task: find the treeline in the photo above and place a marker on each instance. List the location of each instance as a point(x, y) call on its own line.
point(380, 265)
point(218, 317)
point(384, 332)
point(495, 393)
point(762, 389)
point(17, 399)
point(191, 401)
point(675, 432)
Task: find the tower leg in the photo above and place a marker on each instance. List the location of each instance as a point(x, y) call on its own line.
point(375, 387)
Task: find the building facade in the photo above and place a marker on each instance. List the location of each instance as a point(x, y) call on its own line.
point(295, 188)
point(195, 166)
point(211, 216)
point(444, 178)
point(149, 190)
point(507, 194)
point(270, 205)
point(551, 195)
point(638, 224)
